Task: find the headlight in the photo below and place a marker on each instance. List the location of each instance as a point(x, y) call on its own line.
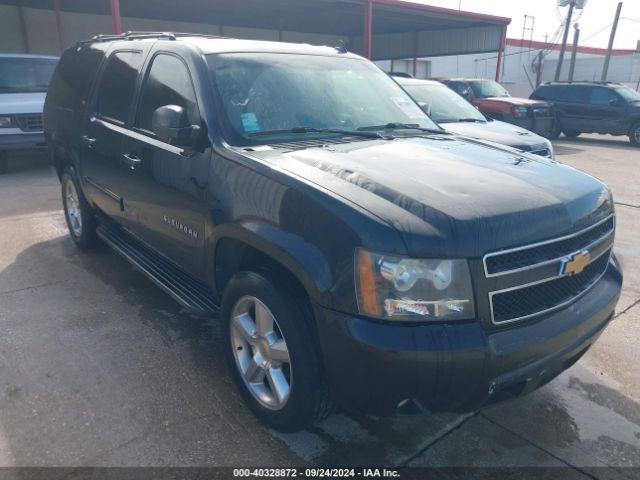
point(5, 122)
point(520, 112)
point(399, 288)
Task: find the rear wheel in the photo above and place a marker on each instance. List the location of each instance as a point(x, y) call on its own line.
point(271, 351)
point(77, 211)
point(634, 135)
point(571, 133)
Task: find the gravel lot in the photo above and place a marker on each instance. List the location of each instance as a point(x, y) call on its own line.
point(98, 367)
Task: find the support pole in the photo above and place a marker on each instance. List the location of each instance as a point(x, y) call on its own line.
point(605, 69)
point(280, 29)
point(415, 54)
point(574, 51)
point(503, 41)
point(539, 72)
point(564, 40)
point(56, 9)
point(23, 28)
point(115, 17)
point(368, 19)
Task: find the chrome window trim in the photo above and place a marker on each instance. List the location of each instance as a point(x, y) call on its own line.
point(546, 242)
point(545, 280)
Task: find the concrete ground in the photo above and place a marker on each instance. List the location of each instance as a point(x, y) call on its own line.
point(98, 367)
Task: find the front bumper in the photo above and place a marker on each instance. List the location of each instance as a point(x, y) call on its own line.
point(22, 141)
point(540, 125)
point(383, 369)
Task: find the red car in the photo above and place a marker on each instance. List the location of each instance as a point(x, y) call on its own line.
point(493, 100)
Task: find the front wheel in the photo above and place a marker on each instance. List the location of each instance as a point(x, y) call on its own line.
point(634, 135)
point(571, 133)
point(270, 348)
point(77, 211)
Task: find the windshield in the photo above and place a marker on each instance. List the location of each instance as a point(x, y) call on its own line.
point(267, 97)
point(20, 75)
point(488, 88)
point(628, 94)
point(444, 104)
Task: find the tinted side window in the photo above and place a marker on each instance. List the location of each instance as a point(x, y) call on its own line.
point(118, 85)
point(576, 94)
point(168, 83)
point(546, 93)
point(72, 78)
point(602, 96)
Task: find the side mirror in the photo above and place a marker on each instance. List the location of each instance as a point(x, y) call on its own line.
point(617, 103)
point(170, 123)
point(426, 108)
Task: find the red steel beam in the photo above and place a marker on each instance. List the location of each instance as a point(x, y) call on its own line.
point(368, 20)
point(56, 9)
point(115, 17)
point(503, 41)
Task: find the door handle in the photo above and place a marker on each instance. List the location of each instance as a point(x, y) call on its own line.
point(88, 142)
point(132, 160)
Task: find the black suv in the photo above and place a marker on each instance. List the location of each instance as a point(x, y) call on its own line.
point(361, 256)
point(589, 107)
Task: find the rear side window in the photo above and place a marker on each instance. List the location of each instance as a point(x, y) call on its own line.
point(602, 96)
point(72, 79)
point(168, 83)
point(118, 85)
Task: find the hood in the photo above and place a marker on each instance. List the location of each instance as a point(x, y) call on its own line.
point(498, 132)
point(16, 103)
point(513, 101)
point(449, 195)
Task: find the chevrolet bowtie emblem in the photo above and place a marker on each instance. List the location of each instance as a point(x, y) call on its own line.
point(574, 264)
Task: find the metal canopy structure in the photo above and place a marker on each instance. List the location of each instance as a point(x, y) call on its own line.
point(378, 29)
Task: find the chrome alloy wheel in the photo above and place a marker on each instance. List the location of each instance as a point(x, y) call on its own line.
point(261, 352)
point(72, 204)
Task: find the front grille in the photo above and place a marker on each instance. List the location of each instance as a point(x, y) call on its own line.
point(30, 122)
point(531, 300)
point(514, 259)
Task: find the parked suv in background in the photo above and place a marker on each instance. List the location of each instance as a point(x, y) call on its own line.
point(455, 114)
point(591, 107)
point(360, 254)
point(24, 80)
point(493, 100)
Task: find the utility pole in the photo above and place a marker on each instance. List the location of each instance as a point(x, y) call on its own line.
point(574, 51)
point(605, 69)
point(564, 40)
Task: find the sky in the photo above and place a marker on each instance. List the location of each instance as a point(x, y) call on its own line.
point(597, 15)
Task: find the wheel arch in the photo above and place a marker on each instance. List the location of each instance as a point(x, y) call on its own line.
point(298, 264)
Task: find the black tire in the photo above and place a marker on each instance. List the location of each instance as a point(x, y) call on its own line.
point(556, 130)
point(85, 237)
point(634, 134)
point(571, 133)
point(308, 400)
point(4, 163)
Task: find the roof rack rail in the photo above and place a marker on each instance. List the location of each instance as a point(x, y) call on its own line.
point(599, 82)
point(138, 35)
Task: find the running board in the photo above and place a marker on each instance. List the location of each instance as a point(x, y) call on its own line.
point(194, 294)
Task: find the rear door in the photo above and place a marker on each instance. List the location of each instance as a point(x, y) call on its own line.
point(166, 187)
point(104, 174)
point(573, 101)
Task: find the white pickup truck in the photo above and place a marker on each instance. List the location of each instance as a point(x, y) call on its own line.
point(24, 80)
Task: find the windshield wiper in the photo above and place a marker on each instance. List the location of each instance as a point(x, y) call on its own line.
point(401, 126)
point(356, 133)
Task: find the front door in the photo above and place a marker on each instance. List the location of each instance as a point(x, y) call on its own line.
point(165, 194)
point(603, 116)
point(102, 170)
